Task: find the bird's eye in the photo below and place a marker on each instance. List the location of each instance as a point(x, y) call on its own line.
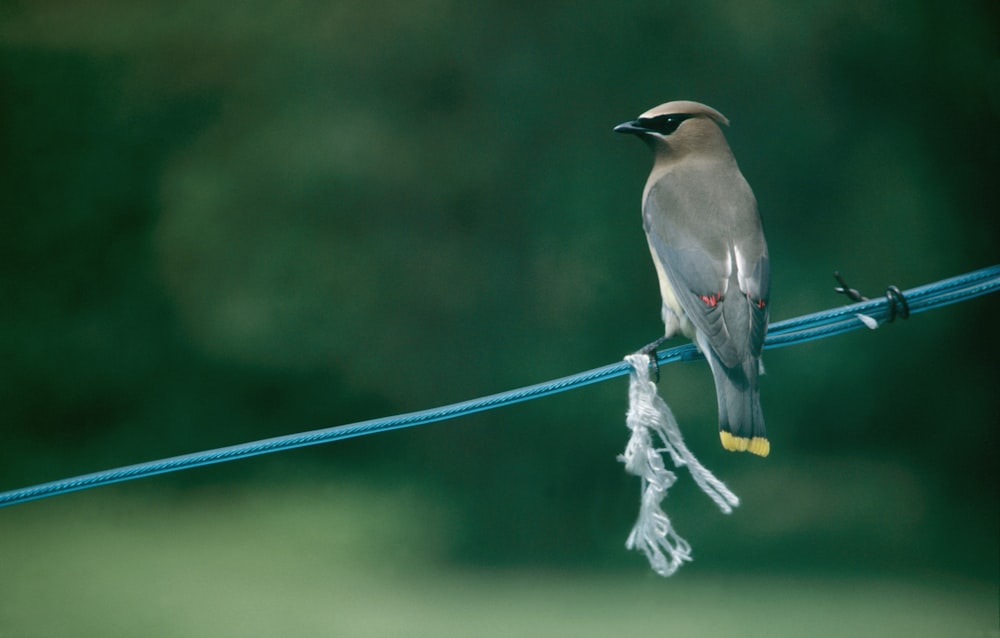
point(664, 124)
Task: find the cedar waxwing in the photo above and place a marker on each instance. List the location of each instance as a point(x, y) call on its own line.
point(708, 247)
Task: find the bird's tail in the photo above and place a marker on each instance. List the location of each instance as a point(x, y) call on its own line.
point(741, 422)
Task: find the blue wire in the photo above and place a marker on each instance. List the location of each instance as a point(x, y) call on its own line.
point(783, 333)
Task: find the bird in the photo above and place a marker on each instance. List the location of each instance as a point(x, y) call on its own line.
point(707, 243)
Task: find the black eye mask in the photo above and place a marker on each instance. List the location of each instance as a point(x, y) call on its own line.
point(663, 124)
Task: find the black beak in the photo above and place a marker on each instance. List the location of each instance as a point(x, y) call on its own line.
point(633, 127)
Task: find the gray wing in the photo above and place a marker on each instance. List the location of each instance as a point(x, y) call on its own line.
point(708, 237)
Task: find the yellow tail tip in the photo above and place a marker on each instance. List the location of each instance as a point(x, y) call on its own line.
point(758, 445)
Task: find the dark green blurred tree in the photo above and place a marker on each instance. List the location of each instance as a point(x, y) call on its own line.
point(225, 224)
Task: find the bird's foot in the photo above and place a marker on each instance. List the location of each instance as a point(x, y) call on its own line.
point(650, 351)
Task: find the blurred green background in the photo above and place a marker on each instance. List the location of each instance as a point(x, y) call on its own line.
point(222, 222)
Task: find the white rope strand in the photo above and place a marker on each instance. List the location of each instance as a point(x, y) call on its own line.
point(653, 533)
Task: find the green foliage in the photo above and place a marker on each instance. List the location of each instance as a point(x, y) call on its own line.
point(342, 559)
point(221, 223)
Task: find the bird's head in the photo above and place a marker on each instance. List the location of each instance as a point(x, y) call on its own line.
point(679, 128)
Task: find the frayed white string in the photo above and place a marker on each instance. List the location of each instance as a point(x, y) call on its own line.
point(653, 533)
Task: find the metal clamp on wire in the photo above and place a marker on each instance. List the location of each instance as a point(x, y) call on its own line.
point(894, 297)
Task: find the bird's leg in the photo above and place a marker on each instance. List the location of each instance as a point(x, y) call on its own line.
point(650, 351)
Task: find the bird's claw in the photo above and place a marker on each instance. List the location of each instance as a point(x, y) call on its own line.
point(650, 351)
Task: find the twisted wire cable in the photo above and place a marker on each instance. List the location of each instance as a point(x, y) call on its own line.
point(863, 314)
